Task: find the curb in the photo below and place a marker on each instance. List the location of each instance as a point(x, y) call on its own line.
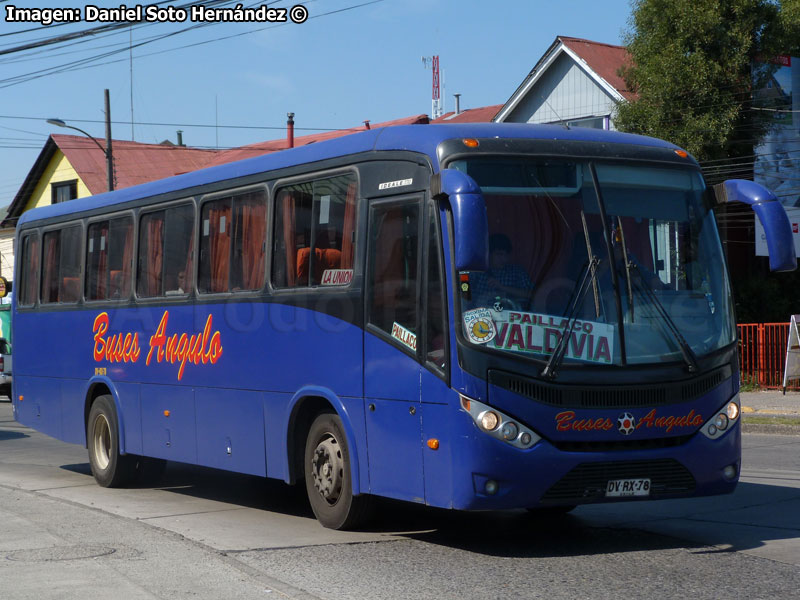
point(769, 428)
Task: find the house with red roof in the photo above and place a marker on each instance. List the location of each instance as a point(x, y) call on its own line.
point(71, 166)
point(576, 82)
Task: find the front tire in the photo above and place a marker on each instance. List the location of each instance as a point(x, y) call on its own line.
point(109, 467)
point(328, 476)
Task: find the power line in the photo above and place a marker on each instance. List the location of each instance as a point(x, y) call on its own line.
point(199, 125)
point(85, 63)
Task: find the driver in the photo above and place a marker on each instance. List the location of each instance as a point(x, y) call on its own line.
point(504, 279)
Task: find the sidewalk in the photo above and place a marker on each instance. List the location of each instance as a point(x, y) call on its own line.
point(762, 407)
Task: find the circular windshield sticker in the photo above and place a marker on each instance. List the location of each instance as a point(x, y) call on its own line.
point(479, 325)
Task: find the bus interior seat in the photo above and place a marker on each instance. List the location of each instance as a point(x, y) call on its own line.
point(324, 258)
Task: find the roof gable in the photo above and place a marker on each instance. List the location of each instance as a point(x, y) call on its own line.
point(604, 59)
point(601, 62)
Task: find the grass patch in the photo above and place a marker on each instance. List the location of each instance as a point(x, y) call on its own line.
point(764, 420)
point(748, 383)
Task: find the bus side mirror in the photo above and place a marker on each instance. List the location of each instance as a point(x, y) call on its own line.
point(770, 212)
point(470, 223)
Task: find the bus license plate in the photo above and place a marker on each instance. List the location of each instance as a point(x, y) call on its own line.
point(621, 488)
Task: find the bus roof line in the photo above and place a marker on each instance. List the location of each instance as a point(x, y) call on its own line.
point(418, 138)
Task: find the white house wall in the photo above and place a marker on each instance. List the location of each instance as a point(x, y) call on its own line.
point(7, 253)
point(570, 93)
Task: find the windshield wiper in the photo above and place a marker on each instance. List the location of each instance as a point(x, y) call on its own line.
point(586, 276)
point(627, 266)
point(666, 320)
point(594, 269)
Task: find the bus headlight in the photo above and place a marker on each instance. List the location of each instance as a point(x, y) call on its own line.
point(498, 425)
point(488, 420)
point(733, 410)
point(510, 430)
point(721, 422)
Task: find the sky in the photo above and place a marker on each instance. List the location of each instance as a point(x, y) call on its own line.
point(227, 84)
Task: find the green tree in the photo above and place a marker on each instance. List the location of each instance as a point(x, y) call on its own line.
point(692, 71)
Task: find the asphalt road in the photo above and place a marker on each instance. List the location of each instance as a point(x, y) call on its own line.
point(208, 534)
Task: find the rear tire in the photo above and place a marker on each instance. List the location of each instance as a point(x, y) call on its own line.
point(109, 467)
point(329, 482)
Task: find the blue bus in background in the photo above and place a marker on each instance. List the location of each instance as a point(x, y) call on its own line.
point(485, 316)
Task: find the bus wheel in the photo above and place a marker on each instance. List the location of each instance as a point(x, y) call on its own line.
point(328, 478)
point(109, 467)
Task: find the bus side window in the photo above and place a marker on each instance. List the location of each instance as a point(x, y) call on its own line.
point(314, 233)
point(151, 254)
point(393, 281)
point(166, 241)
point(109, 253)
point(215, 246)
point(29, 273)
point(233, 243)
point(62, 265)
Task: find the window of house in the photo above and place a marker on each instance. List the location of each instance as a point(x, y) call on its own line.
point(29, 274)
point(393, 271)
point(63, 191)
point(109, 259)
point(61, 265)
point(166, 241)
point(233, 243)
point(315, 233)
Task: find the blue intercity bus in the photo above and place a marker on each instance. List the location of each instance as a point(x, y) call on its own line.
point(476, 317)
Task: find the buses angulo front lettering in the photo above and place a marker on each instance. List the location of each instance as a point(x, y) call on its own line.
point(568, 421)
point(182, 348)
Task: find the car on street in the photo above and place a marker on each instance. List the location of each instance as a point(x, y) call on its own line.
point(5, 367)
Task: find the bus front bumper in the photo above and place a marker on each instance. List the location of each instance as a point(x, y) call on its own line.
point(491, 475)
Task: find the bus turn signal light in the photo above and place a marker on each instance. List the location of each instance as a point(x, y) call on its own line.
point(166, 413)
point(471, 142)
point(433, 444)
point(682, 153)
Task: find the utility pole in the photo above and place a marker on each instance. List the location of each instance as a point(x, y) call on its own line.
point(109, 156)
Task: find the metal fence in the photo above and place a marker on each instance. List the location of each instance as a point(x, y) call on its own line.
point(762, 354)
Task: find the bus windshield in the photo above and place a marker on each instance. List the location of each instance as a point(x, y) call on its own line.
point(621, 260)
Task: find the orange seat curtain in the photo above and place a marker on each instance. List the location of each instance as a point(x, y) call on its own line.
point(150, 282)
point(220, 247)
point(253, 234)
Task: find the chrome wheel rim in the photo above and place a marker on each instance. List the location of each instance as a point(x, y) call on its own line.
point(327, 469)
point(101, 442)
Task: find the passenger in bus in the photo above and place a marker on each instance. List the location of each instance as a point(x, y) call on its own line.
point(504, 279)
point(180, 283)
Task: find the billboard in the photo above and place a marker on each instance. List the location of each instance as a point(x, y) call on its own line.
point(777, 157)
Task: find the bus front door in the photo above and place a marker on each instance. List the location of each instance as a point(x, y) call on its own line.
point(392, 369)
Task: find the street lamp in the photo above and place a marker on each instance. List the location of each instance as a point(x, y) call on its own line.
point(106, 151)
